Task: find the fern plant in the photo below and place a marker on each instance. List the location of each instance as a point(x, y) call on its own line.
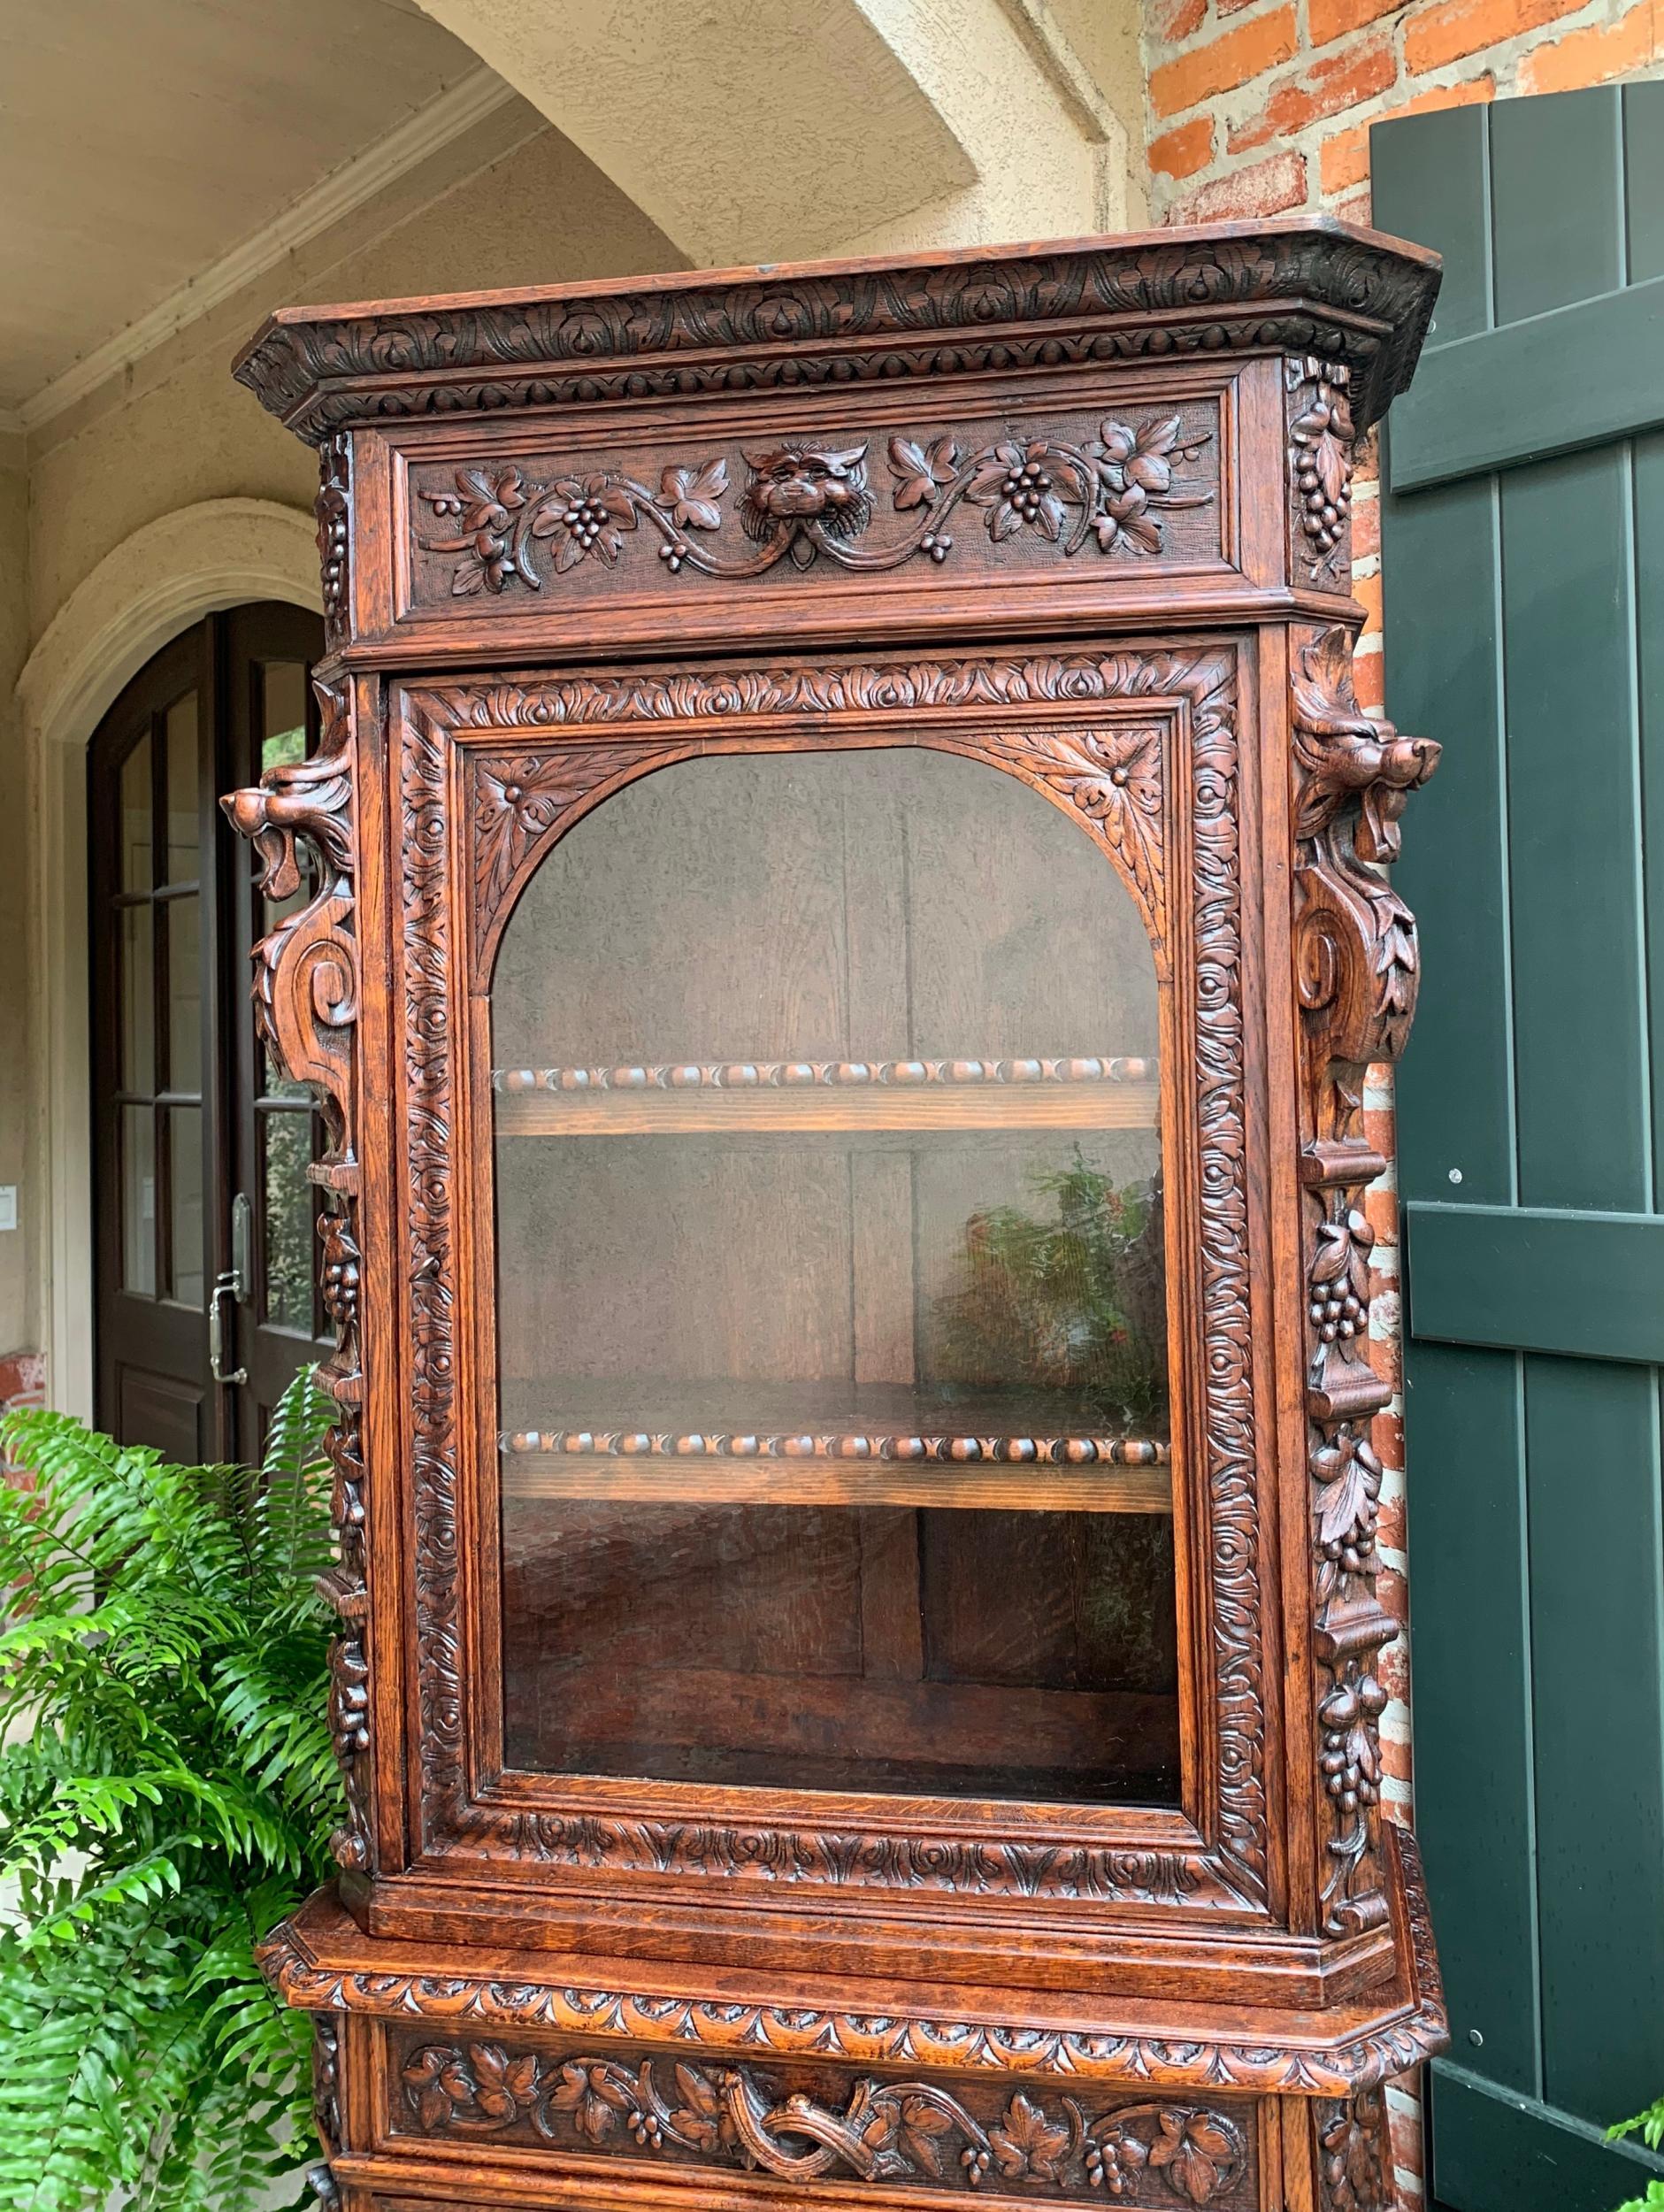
point(167, 1792)
point(1649, 2126)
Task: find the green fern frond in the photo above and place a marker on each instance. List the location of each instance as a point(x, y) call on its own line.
point(168, 1801)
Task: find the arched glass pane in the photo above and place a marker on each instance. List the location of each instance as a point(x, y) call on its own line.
point(831, 1323)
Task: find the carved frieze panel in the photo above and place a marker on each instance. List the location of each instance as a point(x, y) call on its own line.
point(524, 782)
point(801, 2122)
point(1129, 485)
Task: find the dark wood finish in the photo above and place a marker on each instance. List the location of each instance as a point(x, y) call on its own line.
point(572, 541)
point(195, 917)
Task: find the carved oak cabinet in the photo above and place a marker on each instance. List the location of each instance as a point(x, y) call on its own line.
point(837, 920)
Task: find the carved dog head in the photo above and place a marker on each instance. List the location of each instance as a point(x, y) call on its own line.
point(791, 483)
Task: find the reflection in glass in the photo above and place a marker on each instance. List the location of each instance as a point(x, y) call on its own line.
point(184, 792)
point(138, 1200)
point(831, 1318)
point(184, 993)
point(138, 997)
point(286, 1197)
point(282, 714)
point(137, 816)
point(184, 1126)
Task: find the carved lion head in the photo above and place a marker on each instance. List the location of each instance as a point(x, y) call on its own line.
point(807, 483)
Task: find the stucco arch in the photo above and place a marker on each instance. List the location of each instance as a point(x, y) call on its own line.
point(168, 574)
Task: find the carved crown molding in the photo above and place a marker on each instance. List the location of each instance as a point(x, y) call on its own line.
point(320, 1962)
point(1303, 287)
point(519, 802)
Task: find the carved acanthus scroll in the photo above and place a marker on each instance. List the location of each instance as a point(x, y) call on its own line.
point(300, 819)
point(1356, 953)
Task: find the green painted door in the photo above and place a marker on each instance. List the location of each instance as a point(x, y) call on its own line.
point(1523, 558)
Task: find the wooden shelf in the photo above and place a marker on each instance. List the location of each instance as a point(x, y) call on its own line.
point(727, 1096)
point(1053, 1474)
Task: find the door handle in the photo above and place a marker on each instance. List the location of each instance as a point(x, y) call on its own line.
point(228, 1286)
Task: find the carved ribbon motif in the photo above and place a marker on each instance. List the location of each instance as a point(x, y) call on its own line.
point(1357, 950)
point(908, 2131)
point(300, 819)
point(806, 499)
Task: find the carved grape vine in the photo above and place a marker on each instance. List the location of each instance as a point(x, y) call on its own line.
point(804, 499)
point(904, 2130)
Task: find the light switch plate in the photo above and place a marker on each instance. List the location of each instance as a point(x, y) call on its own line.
point(8, 1205)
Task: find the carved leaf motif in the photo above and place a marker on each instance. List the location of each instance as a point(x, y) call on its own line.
point(691, 494)
point(1027, 2142)
point(1193, 2148)
point(699, 2116)
point(923, 2127)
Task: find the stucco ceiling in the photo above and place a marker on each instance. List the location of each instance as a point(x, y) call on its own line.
point(141, 140)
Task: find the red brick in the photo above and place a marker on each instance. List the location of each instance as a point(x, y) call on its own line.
point(1367, 591)
point(1224, 63)
point(1389, 1588)
point(1343, 160)
point(1604, 50)
point(1356, 72)
point(1395, 1759)
point(1182, 152)
point(1327, 19)
point(1393, 1672)
point(1434, 37)
point(1389, 1529)
point(1386, 1435)
point(1231, 7)
point(1171, 21)
point(1366, 681)
point(1265, 188)
point(1378, 1130)
point(1381, 1211)
point(1366, 526)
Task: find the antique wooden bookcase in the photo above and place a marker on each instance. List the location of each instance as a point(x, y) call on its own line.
point(845, 918)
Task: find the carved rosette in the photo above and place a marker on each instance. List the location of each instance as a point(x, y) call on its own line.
point(911, 2132)
point(300, 819)
point(1109, 776)
point(1356, 950)
point(1321, 437)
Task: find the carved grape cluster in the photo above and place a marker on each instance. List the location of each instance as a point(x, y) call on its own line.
point(1351, 1757)
point(1114, 2163)
point(1323, 436)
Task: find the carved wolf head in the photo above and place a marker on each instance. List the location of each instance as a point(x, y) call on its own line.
point(807, 483)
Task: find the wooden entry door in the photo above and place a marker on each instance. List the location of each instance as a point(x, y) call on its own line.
point(203, 1217)
point(1524, 550)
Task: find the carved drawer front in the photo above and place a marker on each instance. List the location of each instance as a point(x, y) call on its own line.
point(805, 2122)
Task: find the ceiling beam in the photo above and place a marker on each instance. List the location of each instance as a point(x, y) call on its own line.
point(753, 130)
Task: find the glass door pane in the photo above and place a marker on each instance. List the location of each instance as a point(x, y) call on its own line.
point(831, 1319)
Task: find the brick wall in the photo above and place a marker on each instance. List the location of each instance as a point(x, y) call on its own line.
point(1261, 107)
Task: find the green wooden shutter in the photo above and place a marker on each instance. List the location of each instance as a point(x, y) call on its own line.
point(1523, 558)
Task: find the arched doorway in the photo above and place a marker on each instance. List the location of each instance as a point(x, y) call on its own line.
point(205, 1299)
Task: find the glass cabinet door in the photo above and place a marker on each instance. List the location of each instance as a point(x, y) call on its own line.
point(831, 1314)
